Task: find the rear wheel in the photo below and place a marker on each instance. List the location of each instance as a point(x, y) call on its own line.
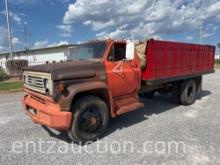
point(90, 119)
point(188, 92)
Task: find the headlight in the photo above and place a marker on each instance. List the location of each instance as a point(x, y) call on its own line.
point(46, 84)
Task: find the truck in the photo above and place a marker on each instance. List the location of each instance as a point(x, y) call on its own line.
point(103, 79)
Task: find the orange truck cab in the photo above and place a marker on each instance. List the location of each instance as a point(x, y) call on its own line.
point(104, 79)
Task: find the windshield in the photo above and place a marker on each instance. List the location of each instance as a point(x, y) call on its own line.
point(88, 51)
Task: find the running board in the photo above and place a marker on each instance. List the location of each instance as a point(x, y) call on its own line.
point(129, 108)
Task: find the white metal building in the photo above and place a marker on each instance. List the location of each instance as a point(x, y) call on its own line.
point(39, 56)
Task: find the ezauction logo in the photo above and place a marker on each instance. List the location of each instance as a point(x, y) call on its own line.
point(99, 147)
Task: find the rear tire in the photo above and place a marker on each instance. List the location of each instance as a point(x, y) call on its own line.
point(188, 92)
point(90, 119)
point(198, 82)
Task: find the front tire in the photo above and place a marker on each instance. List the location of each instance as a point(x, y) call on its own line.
point(90, 119)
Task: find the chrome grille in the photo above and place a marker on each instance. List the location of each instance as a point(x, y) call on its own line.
point(37, 82)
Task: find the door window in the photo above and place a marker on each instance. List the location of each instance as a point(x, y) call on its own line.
point(118, 52)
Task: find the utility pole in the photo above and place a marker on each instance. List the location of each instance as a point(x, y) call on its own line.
point(201, 32)
point(9, 29)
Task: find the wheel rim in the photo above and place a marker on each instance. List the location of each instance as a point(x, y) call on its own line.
point(90, 121)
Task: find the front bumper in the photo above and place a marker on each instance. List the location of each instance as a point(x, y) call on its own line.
point(44, 111)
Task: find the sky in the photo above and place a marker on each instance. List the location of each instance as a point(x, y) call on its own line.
point(60, 22)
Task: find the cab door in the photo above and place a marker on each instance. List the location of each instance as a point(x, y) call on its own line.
point(123, 75)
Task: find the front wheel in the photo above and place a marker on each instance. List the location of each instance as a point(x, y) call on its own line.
point(90, 119)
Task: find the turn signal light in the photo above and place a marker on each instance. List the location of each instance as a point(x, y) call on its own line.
point(60, 87)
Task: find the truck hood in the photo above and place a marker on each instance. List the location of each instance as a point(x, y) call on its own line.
point(68, 70)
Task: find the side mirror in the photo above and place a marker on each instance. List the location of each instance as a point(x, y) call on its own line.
point(130, 50)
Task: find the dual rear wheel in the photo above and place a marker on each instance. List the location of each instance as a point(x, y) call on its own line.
point(185, 92)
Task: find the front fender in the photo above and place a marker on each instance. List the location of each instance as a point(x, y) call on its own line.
point(66, 101)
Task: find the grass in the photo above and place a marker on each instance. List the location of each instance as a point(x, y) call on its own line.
point(7, 86)
point(217, 65)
